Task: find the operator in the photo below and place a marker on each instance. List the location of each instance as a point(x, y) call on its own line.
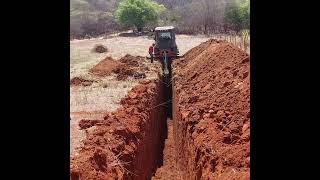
point(151, 51)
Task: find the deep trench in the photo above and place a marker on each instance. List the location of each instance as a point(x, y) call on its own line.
point(166, 89)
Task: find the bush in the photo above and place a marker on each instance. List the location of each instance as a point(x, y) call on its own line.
point(238, 15)
point(138, 12)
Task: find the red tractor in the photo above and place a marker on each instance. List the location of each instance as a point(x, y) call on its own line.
point(165, 48)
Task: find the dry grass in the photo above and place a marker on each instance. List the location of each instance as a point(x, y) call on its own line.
point(242, 41)
point(99, 96)
point(121, 164)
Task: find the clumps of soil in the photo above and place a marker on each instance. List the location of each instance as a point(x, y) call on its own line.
point(127, 66)
point(99, 48)
point(125, 145)
point(123, 72)
point(132, 61)
point(132, 66)
point(211, 93)
point(78, 81)
point(85, 123)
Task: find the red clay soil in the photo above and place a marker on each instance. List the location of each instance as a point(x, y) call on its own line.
point(126, 66)
point(123, 72)
point(133, 61)
point(127, 143)
point(77, 81)
point(211, 111)
point(86, 123)
point(105, 67)
point(132, 66)
point(169, 169)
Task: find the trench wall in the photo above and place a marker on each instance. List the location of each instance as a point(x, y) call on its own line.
point(211, 112)
point(128, 144)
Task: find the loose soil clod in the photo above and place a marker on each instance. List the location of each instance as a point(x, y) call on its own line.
point(99, 48)
point(77, 81)
point(85, 123)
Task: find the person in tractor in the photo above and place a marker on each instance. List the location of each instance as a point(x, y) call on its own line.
point(151, 51)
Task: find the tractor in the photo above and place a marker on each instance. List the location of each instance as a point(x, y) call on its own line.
point(165, 48)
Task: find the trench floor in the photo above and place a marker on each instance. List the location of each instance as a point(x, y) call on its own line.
point(168, 170)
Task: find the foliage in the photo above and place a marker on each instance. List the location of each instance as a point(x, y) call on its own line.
point(138, 12)
point(238, 15)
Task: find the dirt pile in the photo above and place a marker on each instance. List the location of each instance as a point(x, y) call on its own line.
point(127, 66)
point(105, 67)
point(126, 144)
point(78, 81)
point(132, 61)
point(99, 48)
point(211, 110)
point(131, 66)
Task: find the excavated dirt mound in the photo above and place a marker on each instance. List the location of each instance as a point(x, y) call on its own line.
point(77, 81)
point(131, 66)
point(211, 109)
point(132, 60)
point(99, 48)
point(105, 67)
point(127, 143)
point(127, 66)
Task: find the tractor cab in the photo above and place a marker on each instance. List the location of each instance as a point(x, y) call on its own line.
point(165, 38)
point(165, 42)
point(165, 48)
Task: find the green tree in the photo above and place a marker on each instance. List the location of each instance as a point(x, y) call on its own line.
point(238, 14)
point(245, 14)
point(138, 12)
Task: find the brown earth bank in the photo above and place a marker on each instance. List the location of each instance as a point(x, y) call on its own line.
point(124, 67)
point(211, 112)
point(128, 142)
